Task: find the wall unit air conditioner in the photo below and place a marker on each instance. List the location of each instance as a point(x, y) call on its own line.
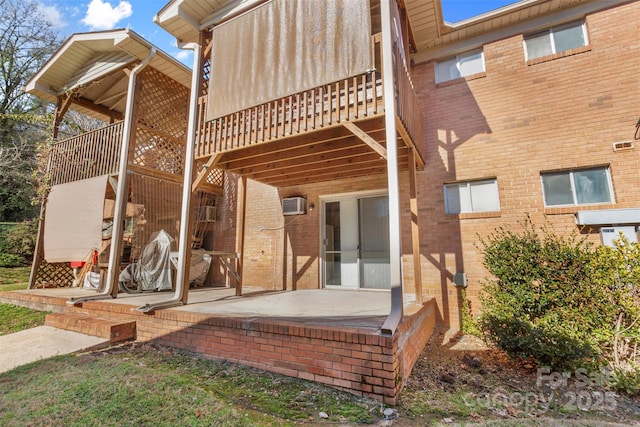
point(610, 234)
point(206, 213)
point(294, 205)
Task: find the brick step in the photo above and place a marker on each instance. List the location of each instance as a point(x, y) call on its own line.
point(111, 329)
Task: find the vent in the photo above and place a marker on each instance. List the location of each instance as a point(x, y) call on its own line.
point(623, 145)
point(293, 205)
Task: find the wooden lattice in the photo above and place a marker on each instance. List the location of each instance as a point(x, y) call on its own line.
point(206, 72)
point(160, 152)
point(215, 177)
point(163, 104)
point(54, 275)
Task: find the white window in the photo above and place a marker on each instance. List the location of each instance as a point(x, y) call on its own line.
point(472, 196)
point(464, 64)
point(556, 40)
point(577, 187)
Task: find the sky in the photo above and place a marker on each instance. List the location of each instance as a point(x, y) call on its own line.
point(75, 16)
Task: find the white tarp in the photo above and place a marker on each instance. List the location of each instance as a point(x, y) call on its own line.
point(152, 272)
point(73, 220)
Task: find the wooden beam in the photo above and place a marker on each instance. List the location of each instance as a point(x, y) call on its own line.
point(83, 102)
point(324, 166)
point(313, 158)
point(62, 106)
point(202, 176)
point(409, 142)
point(366, 139)
point(415, 227)
point(155, 173)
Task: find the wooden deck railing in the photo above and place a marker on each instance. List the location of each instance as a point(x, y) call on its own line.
point(351, 99)
point(409, 111)
point(85, 156)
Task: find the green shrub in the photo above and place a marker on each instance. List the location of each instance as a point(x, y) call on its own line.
point(17, 243)
point(562, 301)
point(11, 260)
point(535, 306)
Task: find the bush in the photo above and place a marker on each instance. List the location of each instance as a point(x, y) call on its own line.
point(17, 244)
point(561, 301)
point(10, 260)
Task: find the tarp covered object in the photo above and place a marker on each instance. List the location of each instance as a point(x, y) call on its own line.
point(73, 220)
point(152, 272)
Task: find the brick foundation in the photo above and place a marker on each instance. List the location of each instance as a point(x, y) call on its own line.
point(355, 359)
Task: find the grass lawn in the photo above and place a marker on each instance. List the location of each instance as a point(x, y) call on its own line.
point(146, 384)
point(150, 385)
point(12, 279)
point(13, 318)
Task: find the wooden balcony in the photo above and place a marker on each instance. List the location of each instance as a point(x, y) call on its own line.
point(97, 153)
point(329, 132)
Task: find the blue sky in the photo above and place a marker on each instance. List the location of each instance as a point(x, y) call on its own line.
point(71, 16)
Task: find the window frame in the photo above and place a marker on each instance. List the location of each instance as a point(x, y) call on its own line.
point(457, 58)
point(468, 185)
point(551, 31)
point(574, 194)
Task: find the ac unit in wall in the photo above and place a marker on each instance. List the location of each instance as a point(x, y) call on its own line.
point(206, 213)
point(294, 205)
point(610, 234)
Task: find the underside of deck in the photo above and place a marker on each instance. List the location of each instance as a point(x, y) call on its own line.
point(329, 153)
point(331, 337)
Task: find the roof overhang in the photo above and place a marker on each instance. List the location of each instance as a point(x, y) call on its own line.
point(94, 66)
point(434, 37)
point(184, 19)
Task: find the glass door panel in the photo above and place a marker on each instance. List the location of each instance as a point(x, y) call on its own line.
point(341, 244)
point(374, 242)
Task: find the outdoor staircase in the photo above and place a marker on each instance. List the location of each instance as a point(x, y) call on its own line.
point(113, 330)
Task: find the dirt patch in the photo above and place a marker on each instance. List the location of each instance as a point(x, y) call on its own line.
point(466, 382)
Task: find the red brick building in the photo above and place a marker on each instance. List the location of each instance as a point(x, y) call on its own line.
point(497, 132)
point(374, 168)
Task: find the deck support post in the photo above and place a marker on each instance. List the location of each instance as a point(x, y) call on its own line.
point(415, 227)
point(180, 296)
point(119, 214)
point(395, 233)
point(240, 229)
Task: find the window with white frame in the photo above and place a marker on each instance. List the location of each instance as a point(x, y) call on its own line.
point(556, 40)
point(577, 187)
point(462, 65)
point(472, 196)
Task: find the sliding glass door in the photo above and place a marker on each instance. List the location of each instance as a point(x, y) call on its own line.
point(356, 242)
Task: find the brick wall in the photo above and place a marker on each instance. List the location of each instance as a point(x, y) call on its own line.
point(511, 122)
point(516, 120)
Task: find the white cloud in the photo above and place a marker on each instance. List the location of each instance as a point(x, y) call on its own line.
point(181, 55)
point(102, 16)
point(51, 14)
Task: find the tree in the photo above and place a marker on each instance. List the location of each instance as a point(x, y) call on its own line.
point(27, 39)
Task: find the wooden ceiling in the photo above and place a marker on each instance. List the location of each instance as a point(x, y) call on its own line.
point(328, 154)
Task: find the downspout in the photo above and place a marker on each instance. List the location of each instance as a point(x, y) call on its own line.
point(184, 248)
point(113, 270)
point(395, 242)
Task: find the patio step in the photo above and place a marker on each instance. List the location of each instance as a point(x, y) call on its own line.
point(111, 329)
